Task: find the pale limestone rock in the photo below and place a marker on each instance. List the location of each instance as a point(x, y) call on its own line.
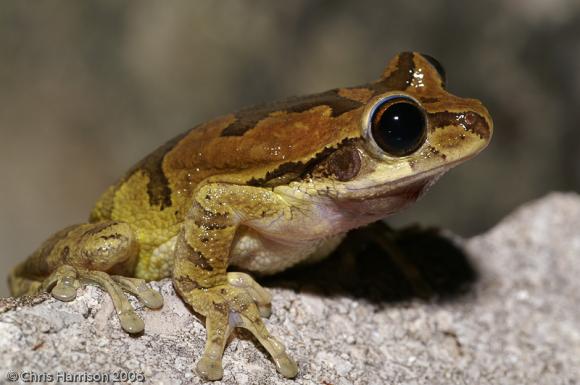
point(518, 323)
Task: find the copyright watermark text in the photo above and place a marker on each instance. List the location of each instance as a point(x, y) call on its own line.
point(74, 377)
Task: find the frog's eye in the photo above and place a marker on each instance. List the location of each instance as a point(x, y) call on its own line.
point(398, 125)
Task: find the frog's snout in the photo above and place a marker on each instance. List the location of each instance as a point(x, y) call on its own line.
point(480, 123)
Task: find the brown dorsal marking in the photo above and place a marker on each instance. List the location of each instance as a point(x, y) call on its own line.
point(336, 99)
point(400, 78)
point(283, 174)
point(470, 120)
point(428, 99)
point(292, 171)
point(248, 118)
point(158, 187)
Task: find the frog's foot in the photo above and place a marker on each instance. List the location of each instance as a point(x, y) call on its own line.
point(235, 304)
point(261, 296)
point(64, 282)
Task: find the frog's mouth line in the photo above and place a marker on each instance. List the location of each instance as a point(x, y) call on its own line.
point(410, 185)
point(390, 200)
point(391, 188)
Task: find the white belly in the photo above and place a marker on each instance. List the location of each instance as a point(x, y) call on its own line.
point(253, 252)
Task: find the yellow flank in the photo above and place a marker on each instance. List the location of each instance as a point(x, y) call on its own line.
point(151, 225)
point(103, 207)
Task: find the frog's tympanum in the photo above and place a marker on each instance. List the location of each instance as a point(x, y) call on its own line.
point(262, 189)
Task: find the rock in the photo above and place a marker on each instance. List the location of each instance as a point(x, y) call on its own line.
point(505, 310)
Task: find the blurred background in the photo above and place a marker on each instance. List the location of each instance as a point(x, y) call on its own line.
point(89, 88)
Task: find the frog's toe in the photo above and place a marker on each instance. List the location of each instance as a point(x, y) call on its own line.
point(265, 311)
point(65, 280)
point(226, 307)
point(62, 283)
point(246, 314)
point(138, 287)
point(210, 369)
point(65, 283)
point(285, 365)
point(64, 290)
point(262, 298)
point(218, 329)
point(130, 321)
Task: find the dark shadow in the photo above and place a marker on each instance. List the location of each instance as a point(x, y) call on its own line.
point(382, 265)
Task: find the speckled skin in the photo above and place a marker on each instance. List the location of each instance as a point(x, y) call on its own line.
point(261, 189)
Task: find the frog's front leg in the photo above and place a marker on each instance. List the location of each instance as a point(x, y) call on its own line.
point(227, 300)
point(90, 253)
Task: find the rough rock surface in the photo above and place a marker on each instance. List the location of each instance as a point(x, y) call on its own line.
point(509, 315)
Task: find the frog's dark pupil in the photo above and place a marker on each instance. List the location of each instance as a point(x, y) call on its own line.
point(400, 128)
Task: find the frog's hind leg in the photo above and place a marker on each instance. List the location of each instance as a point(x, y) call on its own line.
point(86, 254)
point(20, 285)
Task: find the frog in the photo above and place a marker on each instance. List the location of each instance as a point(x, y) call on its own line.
point(257, 192)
